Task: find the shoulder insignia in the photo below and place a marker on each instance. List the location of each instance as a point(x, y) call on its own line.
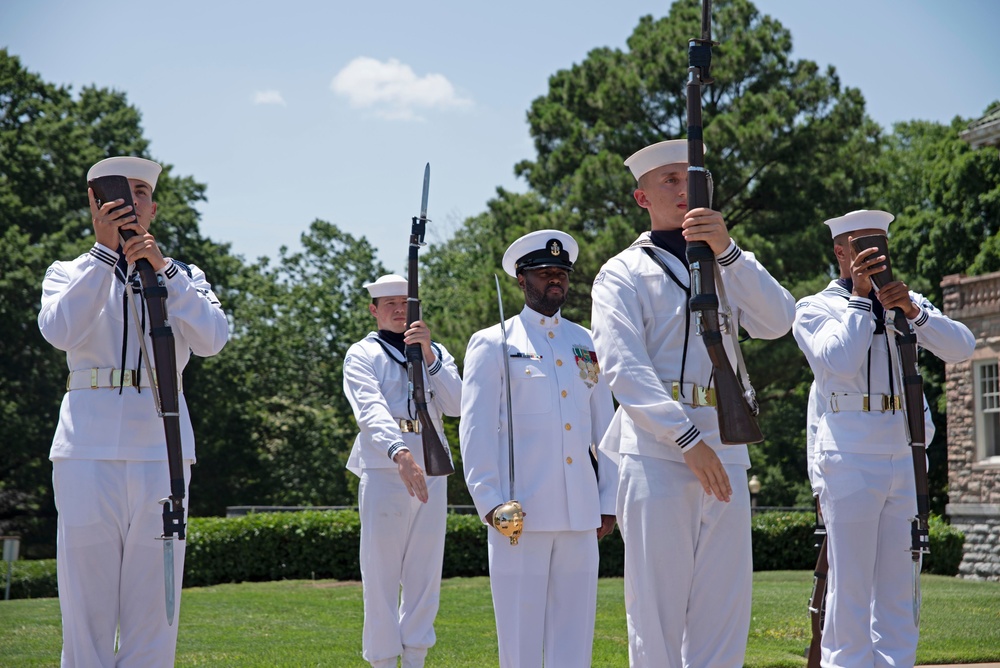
point(599, 278)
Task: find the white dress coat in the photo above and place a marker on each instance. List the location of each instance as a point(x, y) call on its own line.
point(109, 458)
point(688, 570)
point(402, 539)
point(861, 467)
point(544, 588)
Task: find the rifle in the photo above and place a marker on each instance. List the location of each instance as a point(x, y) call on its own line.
point(737, 422)
point(437, 459)
point(163, 378)
point(913, 409)
point(817, 601)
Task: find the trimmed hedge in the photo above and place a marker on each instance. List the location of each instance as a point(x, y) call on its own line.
point(34, 578)
point(324, 545)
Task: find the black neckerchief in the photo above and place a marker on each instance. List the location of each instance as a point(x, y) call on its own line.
point(393, 339)
point(671, 241)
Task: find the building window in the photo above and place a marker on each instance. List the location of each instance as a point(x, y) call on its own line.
point(988, 411)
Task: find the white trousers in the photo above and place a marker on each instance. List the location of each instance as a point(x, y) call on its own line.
point(402, 546)
point(110, 563)
point(544, 597)
point(688, 566)
point(867, 502)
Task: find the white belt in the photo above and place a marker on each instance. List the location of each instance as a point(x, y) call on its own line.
point(92, 379)
point(409, 426)
point(843, 401)
point(693, 395)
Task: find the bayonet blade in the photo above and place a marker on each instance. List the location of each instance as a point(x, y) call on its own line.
point(168, 577)
point(916, 590)
point(427, 187)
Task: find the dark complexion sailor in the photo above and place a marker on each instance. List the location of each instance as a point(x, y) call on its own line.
point(544, 587)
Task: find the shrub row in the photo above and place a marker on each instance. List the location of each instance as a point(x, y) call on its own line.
point(324, 545)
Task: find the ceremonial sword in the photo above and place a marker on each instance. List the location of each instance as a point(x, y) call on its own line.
point(508, 518)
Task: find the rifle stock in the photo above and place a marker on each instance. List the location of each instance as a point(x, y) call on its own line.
point(437, 459)
point(737, 423)
point(817, 605)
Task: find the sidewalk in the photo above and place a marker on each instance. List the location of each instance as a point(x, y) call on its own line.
point(962, 665)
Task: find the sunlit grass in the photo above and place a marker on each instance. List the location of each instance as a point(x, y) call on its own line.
point(303, 623)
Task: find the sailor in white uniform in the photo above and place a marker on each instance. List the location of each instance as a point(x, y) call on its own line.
point(545, 586)
point(683, 502)
point(403, 512)
point(109, 467)
point(861, 463)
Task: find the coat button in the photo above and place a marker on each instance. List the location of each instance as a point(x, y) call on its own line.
point(552, 335)
point(568, 426)
point(564, 394)
point(558, 362)
point(569, 460)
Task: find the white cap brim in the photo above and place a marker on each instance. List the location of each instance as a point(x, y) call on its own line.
point(387, 286)
point(128, 166)
point(668, 152)
point(860, 220)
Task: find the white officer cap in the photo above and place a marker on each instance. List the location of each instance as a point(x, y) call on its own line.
point(656, 155)
point(129, 167)
point(389, 285)
point(860, 220)
point(542, 248)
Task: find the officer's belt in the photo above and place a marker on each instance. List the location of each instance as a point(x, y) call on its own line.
point(843, 401)
point(693, 395)
point(92, 379)
point(408, 426)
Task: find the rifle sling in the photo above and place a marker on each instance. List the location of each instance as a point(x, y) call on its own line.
point(687, 312)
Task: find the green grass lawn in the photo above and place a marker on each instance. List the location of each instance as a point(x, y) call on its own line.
point(304, 623)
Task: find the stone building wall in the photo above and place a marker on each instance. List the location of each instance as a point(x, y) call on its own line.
point(973, 485)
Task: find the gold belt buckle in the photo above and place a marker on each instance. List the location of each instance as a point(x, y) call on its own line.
point(675, 390)
point(123, 378)
point(890, 402)
point(409, 426)
point(704, 396)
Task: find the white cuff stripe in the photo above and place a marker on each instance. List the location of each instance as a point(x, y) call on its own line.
point(104, 256)
point(731, 256)
point(396, 448)
point(689, 438)
point(860, 304)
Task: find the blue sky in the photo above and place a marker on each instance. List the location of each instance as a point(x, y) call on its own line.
point(296, 110)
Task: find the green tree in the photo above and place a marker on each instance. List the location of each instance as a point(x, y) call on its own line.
point(274, 426)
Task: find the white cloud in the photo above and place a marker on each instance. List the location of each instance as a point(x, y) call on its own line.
point(393, 90)
point(268, 97)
